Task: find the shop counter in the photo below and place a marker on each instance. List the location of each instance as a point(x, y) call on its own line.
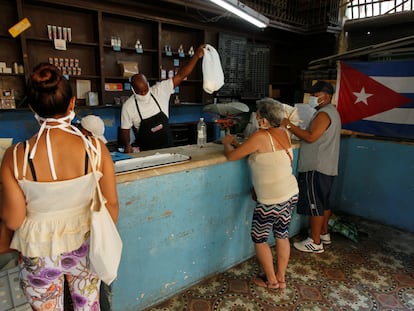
point(182, 223)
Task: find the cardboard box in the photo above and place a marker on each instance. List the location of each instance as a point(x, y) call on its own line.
point(274, 93)
point(128, 69)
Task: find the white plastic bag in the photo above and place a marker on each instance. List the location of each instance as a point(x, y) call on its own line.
point(291, 113)
point(213, 76)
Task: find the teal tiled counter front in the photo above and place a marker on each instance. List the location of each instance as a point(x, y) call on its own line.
point(181, 224)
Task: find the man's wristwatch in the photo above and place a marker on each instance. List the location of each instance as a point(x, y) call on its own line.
point(288, 126)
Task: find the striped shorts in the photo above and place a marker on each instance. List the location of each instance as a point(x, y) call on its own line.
point(274, 217)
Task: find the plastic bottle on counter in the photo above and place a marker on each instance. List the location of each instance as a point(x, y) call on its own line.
point(201, 133)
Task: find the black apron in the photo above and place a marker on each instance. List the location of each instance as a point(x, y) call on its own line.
point(154, 132)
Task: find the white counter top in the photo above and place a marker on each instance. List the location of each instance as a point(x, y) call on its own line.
point(210, 154)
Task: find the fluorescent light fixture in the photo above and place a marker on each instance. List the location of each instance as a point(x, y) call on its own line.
point(243, 11)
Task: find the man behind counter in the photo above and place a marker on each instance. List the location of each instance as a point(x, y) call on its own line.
point(147, 109)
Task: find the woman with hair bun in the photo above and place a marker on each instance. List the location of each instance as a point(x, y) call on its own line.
point(270, 160)
point(48, 186)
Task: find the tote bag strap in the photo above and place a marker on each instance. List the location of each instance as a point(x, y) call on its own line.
point(95, 161)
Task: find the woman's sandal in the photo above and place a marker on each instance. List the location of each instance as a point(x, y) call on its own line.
point(282, 285)
point(261, 281)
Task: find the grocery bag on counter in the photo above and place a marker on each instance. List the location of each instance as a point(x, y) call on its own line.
point(213, 76)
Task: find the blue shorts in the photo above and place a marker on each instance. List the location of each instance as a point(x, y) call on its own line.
point(314, 191)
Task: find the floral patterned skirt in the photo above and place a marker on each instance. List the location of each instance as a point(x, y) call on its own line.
point(42, 280)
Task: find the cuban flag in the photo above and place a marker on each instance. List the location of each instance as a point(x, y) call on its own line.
point(377, 97)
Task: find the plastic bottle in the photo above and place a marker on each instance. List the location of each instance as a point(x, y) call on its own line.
point(201, 133)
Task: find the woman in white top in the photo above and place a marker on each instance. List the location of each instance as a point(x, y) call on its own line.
point(48, 186)
point(270, 161)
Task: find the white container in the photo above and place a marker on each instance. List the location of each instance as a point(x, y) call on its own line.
point(201, 133)
point(92, 99)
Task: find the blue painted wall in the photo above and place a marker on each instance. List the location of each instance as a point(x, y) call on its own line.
point(20, 124)
point(376, 181)
point(181, 228)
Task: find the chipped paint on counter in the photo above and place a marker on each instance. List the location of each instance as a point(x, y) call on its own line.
point(164, 215)
point(171, 284)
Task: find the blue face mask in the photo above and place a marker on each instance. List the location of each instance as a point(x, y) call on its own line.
point(313, 101)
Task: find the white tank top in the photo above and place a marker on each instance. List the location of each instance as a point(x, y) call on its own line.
point(272, 175)
point(58, 212)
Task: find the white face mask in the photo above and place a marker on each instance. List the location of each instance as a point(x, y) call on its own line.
point(68, 118)
point(64, 124)
point(261, 124)
point(313, 101)
point(142, 98)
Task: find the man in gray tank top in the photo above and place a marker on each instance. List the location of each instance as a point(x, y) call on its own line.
point(318, 165)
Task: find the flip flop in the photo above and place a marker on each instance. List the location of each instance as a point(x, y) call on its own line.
point(261, 281)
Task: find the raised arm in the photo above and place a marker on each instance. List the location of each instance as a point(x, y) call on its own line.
point(185, 70)
point(315, 131)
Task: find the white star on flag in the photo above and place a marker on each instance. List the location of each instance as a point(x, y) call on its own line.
point(362, 96)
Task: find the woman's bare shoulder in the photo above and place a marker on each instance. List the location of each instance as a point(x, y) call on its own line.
point(259, 133)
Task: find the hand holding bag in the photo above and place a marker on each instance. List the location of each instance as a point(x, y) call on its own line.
point(105, 243)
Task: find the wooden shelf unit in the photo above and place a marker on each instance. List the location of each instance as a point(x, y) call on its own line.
point(92, 29)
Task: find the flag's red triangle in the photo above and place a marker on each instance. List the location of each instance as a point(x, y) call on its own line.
point(360, 96)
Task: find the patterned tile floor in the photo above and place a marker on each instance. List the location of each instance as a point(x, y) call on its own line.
point(376, 273)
